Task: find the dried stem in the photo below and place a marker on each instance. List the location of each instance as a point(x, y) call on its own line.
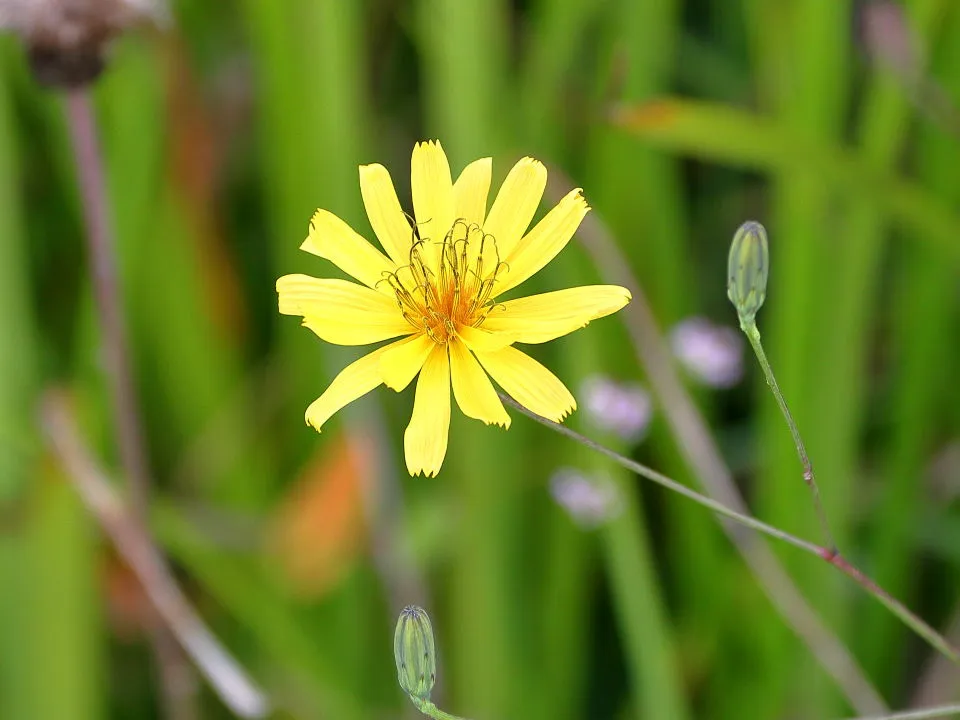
point(753, 335)
point(700, 452)
point(226, 676)
point(937, 641)
point(101, 252)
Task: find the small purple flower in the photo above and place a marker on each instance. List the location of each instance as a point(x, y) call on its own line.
point(713, 354)
point(625, 410)
point(590, 501)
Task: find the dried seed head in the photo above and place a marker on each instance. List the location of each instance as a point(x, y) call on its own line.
point(414, 652)
point(66, 39)
point(747, 270)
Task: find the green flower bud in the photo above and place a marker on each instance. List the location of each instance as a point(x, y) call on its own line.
point(747, 270)
point(415, 654)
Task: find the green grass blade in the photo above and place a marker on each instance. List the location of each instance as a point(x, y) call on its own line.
point(802, 68)
point(252, 599)
point(639, 192)
point(464, 84)
point(18, 381)
point(718, 133)
point(66, 650)
point(922, 311)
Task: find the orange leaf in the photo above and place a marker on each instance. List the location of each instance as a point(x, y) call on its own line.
point(318, 528)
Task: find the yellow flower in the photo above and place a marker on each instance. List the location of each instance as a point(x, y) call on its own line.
point(438, 287)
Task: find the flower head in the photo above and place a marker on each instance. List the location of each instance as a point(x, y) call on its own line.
point(747, 269)
point(437, 286)
point(415, 653)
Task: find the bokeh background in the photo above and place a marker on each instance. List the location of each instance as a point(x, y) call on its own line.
point(559, 586)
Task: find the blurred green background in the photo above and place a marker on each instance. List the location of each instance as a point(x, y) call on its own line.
point(225, 129)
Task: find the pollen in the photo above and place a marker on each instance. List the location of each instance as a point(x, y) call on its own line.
point(448, 285)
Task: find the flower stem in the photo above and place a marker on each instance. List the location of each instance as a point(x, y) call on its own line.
point(431, 710)
point(753, 335)
point(830, 555)
point(918, 714)
point(699, 451)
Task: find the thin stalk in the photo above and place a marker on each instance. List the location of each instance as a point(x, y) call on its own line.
point(937, 641)
point(699, 450)
point(921, 714)
point(225, 675)
point(753, 335)
point(431, 710)
point(101, 251)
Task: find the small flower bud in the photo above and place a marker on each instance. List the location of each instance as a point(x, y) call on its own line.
point(414, 652)
point(747, 270)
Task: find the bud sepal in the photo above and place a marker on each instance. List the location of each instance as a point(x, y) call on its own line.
point(415, 654)
point(747, 269)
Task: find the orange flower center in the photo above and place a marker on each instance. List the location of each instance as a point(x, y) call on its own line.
point(448, 285)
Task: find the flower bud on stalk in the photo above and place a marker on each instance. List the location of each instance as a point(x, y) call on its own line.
point(747, 271)
point(414, 651)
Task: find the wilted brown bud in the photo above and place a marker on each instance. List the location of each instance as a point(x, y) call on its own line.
point(66, 39)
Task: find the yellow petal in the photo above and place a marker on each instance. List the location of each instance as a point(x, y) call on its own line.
point(472, 388)
point(341, 312)
point(529, 383)
point(425, 441)
point(400, 365)
point(355, 380)
point(542, 244)
point(516, 204)
point(386, 215)
point(470, 192)
point(332, 239)
point(540, 318)
point(478, 339)
point(432, 192)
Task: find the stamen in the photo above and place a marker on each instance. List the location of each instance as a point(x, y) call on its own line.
point(446, 287)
